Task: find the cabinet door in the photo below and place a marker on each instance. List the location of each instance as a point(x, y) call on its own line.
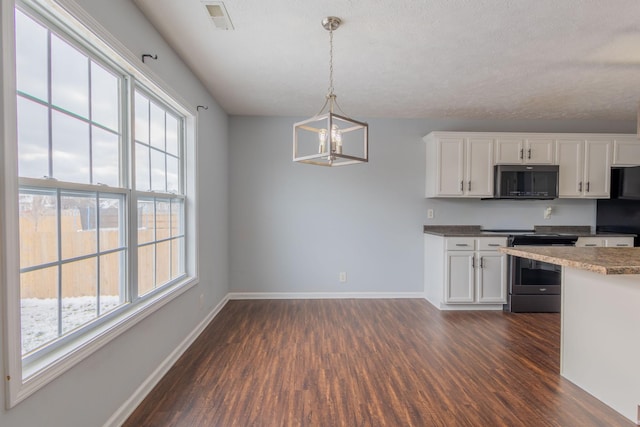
point(509, 151)
point(597, 173)
point(618, 242)
point(492, 277)
point(626, 151)
point(539, 151)
point(570, 158)
point(459, 278)
point(479, 167)
point(451, 167)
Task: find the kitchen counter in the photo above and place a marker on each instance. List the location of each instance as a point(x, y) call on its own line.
point(600, 318)
point(597, 260)
point(477, 231)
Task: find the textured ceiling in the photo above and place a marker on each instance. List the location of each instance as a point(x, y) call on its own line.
point(413, 58)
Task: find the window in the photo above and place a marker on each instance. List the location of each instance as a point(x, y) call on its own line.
point(101, 194)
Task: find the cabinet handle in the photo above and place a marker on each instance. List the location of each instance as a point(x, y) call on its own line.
point(473, 262)
point(493, 244)
point(481, 262)
point(621, 244)
point(461, 185)
point(588, 185)
point(590, 244)
point(522, 153)
point(469, 186)
point(543, 289)
point(461, 244)
point(580, 187)
point(529, 153)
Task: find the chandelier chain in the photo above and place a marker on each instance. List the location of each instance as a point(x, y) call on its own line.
point(330, 61)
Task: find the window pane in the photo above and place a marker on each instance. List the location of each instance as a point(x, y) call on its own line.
point(111, 222)
point(78, 222)
point(79, 293)
point(145, 269)
point(69, 78)
point(163, 263)
point(173, 131)
point(38, 308)
point(112, 281)
point(105, 97)
point(177, 215)
point(177, 257)
point(142, 118)
point(157, 127)
point(146, 221)
point(163, 219)
point(158, 171)
point(70, 149)
point(173, 177)
point(143, 182)
point(31, 57)
point(106, 155)
point(33, 139)
point(38, 225)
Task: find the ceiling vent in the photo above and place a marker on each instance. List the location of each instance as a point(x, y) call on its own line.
point(218, 14)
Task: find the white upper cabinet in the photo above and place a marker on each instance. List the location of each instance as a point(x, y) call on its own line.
point(459, 166)
point(525, 150)
point(585, 167)
point(626, 151)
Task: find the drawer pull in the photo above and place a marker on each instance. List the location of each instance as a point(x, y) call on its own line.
point(494, 244)
point(461, 244)
point(590, 244)
point(622, 244)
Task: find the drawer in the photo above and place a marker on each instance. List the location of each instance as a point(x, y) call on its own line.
point(491, 243)
point(590, 242)
point(619, 242)
point(460, 244)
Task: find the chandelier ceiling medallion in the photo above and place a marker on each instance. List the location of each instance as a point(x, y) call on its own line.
point(330, 139)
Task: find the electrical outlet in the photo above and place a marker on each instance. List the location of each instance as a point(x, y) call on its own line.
point(430, 213)
point(342, 277)
point(547, 212)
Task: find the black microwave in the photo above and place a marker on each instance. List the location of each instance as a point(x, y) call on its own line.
point(526, 182)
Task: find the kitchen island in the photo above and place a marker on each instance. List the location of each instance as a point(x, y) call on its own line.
point(600, 315)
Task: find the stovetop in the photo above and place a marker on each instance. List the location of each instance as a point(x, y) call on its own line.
point(520, 237)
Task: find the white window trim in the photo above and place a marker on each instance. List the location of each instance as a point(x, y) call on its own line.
point(21, 383)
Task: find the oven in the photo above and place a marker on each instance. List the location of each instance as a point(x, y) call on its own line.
point(534, 286)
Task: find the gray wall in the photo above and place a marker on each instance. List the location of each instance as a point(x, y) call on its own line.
point(294, 227)
point(91, 392)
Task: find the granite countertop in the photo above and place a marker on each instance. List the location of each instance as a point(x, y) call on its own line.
point(597, 260)
point(476, 231)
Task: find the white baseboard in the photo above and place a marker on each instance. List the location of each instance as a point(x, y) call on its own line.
point(323, 295)
point(127, 408)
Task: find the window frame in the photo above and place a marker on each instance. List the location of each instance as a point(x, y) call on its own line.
point(68, 20)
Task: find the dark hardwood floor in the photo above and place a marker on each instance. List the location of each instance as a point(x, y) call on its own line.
point(371, 363)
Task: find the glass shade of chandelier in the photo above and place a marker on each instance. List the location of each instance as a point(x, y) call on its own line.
point(330, 139)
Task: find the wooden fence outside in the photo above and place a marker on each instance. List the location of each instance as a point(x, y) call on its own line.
point(79, 278)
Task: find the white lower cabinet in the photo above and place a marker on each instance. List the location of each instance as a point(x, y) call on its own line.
point(465, 272)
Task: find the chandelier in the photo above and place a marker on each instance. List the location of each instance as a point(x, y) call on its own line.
point(330, 139)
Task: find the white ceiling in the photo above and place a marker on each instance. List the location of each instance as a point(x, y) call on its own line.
point(413, 58)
